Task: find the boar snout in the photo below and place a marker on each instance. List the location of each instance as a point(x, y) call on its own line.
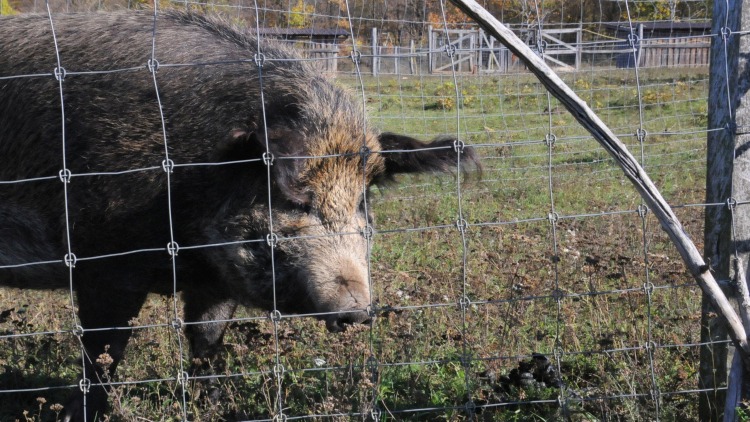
point(337, 323)
point(352, 297)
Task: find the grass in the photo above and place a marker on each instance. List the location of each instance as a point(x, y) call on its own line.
point(575, 294)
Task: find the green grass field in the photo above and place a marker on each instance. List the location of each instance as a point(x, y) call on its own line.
point(575, 291)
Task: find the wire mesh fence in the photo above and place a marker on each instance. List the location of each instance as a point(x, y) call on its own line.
point(540, 289)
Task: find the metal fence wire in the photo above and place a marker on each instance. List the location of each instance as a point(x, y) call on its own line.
point(540, 288)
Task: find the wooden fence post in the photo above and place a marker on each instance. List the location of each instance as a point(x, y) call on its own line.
point(412, 57)
point(430, 47)
point(375, 52)
point(718, 225)
point(579, 46)
point(728, 181)
point(641, 44)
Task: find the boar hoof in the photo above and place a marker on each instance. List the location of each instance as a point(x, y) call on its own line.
point(96, 401)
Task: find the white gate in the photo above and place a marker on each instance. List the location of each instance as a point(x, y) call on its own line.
point(472, 50)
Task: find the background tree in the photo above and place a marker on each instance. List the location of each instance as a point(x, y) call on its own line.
point(6, 8)
point(300, 15)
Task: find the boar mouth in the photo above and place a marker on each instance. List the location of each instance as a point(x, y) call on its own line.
point(337, 323)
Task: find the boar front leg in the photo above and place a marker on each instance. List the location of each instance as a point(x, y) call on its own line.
point(206, 317)
point(102, 305)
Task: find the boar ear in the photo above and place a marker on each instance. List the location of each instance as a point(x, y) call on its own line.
point(239, 144)
point(404, 154)
point(283, 143)
point(243, 143)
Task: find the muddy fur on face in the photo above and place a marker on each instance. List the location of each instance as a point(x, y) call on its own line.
point(324, 157)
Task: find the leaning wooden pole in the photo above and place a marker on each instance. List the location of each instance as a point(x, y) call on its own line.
point(629, 165)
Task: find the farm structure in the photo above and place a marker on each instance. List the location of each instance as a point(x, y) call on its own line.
point(564, 47)
point(319, 44)
point(664, 44)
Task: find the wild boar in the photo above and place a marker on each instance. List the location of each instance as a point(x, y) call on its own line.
point(186, 155)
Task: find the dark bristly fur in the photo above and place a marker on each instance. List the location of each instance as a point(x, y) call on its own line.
point(212, 112)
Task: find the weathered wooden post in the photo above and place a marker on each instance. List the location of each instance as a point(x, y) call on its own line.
point(430, 48)
point(717, 233)
point(640, 43)
point(412, 57)
point(397, 59)
point(579, 46)
point(375, 52)
point(727, 181)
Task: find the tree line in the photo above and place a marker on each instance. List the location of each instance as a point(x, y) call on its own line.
point(404, 20)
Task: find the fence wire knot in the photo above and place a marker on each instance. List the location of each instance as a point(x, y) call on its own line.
point(268, 158)
point(557, 352)
point(272, 240)
point(655, 394)
point(368, 231)
point(173, 248)
point(152, 65)
point(372, 311)
point(281, 417)
point(65, 175)
point(458, 146)
point(648, 288)
point(464, 303)
point(375, 413)
point(650, 346)
point(278, 370)
point(550, 139)
point(59, 73)
point(731, 203)
point(275, 316)
point(77, 331)
point(470, 408)
point(167, 165)
point(553, 217)
point(462, 225)
point(707, 267)
point(450, 50)
point(259, 59)
point(633, 39)
point(177, 324)
point(182, 378)
point(642, 210)
point(364, 152)
point(541, 45)
point(356, 56)
point(557, 294)
point(640, 134)
point(84, 385)
point(70, 260)
point(725, 32)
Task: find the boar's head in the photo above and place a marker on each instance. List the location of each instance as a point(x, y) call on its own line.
point(325, 157)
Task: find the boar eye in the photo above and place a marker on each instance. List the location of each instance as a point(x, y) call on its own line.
point(306, 207)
